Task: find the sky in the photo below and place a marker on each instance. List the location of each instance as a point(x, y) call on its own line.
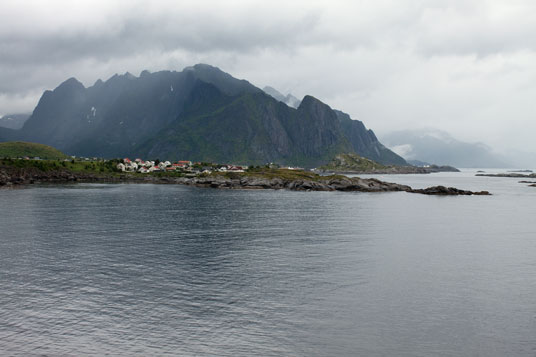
point(467, 67)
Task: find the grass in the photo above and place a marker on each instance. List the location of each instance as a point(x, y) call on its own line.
point(105, 167)
point(274, 173)
point(109, 168)
point(16, 149)
point(352, 162)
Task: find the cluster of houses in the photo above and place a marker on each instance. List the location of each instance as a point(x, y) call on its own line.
point(141, 166)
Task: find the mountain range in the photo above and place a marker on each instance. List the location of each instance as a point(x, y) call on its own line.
point(200, 114)
point(13, 121)
point(432, 146)
point(288, 99)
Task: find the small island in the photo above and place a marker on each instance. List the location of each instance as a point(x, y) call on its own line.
point(508, 174)
point(515, 174)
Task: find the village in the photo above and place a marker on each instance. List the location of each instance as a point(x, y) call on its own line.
point(183, 166)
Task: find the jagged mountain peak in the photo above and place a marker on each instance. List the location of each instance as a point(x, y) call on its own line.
point(203, 67)
point(70, 84)
point(309, 101)
point(98, 83)
point(311, 104)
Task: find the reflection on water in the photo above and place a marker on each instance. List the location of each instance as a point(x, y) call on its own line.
point(157, 269)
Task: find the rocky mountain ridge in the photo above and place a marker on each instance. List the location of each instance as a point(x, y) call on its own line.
point(200, 113)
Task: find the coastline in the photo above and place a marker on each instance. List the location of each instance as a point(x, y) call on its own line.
point(391, 170)
point(264, 179)
point(508, 174)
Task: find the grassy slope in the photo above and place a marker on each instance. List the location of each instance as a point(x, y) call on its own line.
point(103, 167)
point(352, 162)
point(284, 174)
point(14, 149)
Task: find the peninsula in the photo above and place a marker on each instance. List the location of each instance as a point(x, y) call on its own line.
point(352, 163)
point(16, 172)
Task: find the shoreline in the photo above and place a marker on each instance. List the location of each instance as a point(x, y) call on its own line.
point(392, 170)
point(508, 174)
point(270, 179)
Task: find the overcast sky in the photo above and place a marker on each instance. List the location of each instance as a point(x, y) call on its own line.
point(467, 67)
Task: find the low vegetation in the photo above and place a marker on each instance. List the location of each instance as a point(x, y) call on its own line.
point(104, 166)
point(20, 149)
point(272, 173)
point(352, 163)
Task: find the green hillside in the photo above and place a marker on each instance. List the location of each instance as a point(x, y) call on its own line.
point(352, 162)
point(15, 149)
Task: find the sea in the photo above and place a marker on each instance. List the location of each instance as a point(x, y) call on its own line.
point(172, 270)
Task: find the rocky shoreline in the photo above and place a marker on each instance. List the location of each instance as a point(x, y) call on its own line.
point(10, 177)
point(351, 163)
point(509, 174)
point(393, 170)
point(515, 175)
point(338, 183)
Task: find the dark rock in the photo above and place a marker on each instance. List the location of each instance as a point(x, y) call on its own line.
point(511, 174)
point(446, 191)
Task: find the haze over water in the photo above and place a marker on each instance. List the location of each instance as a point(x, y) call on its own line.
point(94, 269)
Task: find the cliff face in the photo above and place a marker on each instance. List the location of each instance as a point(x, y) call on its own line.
point(8, 134)
point(365, 143)
point(202, 114)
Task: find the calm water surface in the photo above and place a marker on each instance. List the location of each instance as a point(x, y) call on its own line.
point(128, 270)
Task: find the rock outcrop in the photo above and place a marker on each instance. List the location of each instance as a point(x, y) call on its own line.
point(329, 184)
point(447, 191)
point(509, 174)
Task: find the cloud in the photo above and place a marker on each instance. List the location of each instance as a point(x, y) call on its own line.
point(481, 28)
point(106, 32)
point(19, 103)
point(463, 66)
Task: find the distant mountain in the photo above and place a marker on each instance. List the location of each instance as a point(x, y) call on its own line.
point(288, 99)
point(438, 147)
point(13, 121)
point(521, 159)
point(200, 114)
